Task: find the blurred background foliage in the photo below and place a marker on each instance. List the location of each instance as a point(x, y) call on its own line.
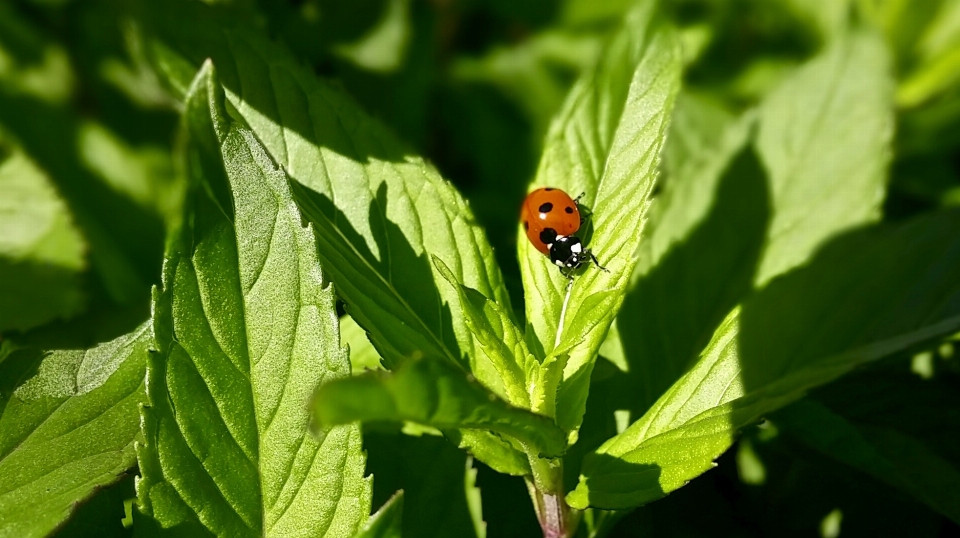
point(88, 190)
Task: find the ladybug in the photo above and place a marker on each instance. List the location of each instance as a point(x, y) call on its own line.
point(551, 218)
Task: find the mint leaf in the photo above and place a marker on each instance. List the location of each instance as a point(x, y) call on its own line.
point(534, 73)
point(386, 522)
point(68, 420)
point(247, 329)
point(765, 356)
point(493, 450)
point(713, 237)
point(499, 336)
point(938, 51)
point(605, 142)
point(697, 262)
point(824, 139)
point(894, 457)
point(434, 393)
point(378, 212)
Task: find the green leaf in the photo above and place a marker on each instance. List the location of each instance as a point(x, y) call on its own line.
point(434, 393)
point(605, 142)
point(68, 421)
point(698, 260)
point(363, 356)
point(830, 18)
point(898, 459)
point(864, 296)
point(493, 450)
point(474, 499)
point(824, 139)
point(377, 210)
point(721, 228)
point(435, 477)
point(500, 338)
point(247, 329)
point(386, 522)
point(42, 254)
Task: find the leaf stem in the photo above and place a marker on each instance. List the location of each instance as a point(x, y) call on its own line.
point(546, 490)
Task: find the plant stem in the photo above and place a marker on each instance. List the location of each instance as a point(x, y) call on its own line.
point(546, 491)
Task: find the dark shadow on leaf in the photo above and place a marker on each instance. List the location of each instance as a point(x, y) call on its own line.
point(672, 312)
point(396, 269)
point(613, 477)
point(430, 471)
point(864, 286)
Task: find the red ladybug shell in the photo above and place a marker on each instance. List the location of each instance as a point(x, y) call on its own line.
point(549, 208)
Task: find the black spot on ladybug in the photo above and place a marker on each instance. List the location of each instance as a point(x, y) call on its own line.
point(546, 207)
point(568, 210)
point(548, 189)
point(526, 225)
point(548, 236)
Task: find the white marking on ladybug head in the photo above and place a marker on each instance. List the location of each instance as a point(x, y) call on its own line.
point(559, 263)
point(576, 248)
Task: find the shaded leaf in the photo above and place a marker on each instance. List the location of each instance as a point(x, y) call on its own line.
point(703, 246)
point(883, 442)
point(124, 237)
point(68, 421)
point(434, 477)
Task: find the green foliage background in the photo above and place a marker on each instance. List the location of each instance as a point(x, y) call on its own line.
point(209, 209)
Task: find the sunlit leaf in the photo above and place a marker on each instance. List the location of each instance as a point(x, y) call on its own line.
point(378, 211)
point(824, 139)
point(766, 355)
point(605, 142)
point(247, 329)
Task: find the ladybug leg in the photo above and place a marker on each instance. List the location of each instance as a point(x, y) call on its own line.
point(595, 261)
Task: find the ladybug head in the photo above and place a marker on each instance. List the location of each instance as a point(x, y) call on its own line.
point(567, 252)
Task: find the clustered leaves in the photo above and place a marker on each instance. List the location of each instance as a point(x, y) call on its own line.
point(335, 324)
